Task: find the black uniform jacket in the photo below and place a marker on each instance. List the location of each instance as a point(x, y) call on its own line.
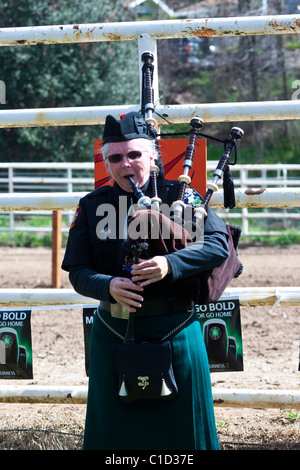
point(93, 255)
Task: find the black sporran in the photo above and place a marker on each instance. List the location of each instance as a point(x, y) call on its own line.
point(145, 371)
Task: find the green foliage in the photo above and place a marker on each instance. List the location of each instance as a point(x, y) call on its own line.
point(63, 75)
point(292, 45)
point(193, 84)
point(289, 237)
point(291, 415)
point(23, 238)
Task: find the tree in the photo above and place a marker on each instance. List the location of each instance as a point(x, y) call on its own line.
point(42, 76)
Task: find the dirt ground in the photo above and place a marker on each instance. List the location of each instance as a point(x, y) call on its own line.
point(270, 348)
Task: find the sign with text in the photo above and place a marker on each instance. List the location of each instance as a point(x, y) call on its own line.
point(15, 344)
point(222, 333)
point(221, 326)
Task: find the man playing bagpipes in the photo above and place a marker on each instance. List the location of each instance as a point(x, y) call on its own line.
point(166, 403)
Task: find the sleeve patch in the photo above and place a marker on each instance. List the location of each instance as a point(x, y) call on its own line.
point(77, 212)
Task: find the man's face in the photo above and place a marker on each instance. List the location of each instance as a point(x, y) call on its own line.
point(138, 169)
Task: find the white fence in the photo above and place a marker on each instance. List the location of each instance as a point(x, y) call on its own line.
point(46, 177)
point(51, 177)
point(147, 34)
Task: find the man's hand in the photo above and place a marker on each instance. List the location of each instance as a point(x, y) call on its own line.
point(126, 292)
point(151, 270)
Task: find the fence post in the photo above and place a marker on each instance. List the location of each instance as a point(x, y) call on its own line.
point(56, 248)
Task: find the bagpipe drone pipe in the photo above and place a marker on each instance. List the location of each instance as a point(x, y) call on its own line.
point(206, 286)
point(209, 285)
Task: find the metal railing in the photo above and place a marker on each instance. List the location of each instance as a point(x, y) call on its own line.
point(147, 33)
point(15, 177)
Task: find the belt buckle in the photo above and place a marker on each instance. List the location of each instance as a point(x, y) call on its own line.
point(119, 311)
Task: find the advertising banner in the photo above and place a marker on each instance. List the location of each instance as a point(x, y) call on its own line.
point(222, 333)
point(15, 344)
point(221, 328)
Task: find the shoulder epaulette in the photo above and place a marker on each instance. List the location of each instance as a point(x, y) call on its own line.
point(100, 190)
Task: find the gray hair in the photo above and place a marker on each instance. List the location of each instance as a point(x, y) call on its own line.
point(149, 146)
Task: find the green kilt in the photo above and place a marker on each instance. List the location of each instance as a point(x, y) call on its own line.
point(186, 422)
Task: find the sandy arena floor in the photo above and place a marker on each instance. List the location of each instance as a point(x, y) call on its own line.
point(270, 347)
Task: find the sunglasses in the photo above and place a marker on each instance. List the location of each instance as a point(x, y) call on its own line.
point(117, 157)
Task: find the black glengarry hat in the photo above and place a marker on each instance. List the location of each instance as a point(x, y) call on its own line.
point(130, 126)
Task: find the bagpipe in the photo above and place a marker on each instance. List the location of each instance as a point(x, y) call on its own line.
point(209, 285)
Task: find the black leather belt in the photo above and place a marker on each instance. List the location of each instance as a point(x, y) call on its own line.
point(150, 308)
